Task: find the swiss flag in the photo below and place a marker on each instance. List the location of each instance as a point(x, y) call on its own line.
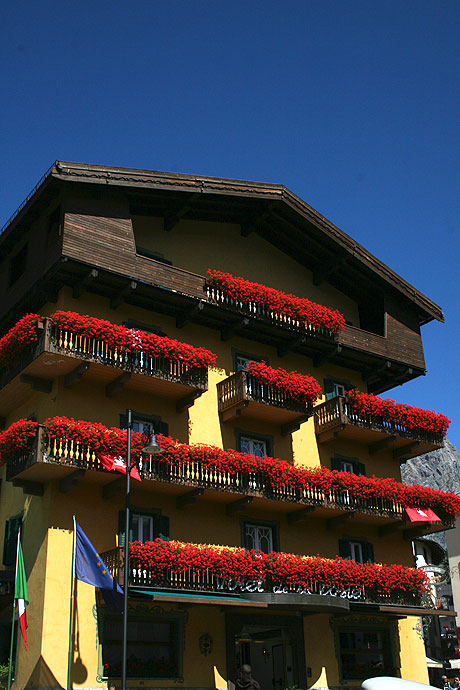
point(111, 462)
point(422, 515)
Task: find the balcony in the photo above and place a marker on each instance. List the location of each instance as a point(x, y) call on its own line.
point(188, 474)
point(339, 418)
point(243, 395)
point(62, 353)
point(276, 579)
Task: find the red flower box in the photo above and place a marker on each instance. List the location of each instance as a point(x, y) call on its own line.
point(297, 308)
point(16, 440)
point(291, 383)
point(285, 569)
point(410, 418)
point(24, 335)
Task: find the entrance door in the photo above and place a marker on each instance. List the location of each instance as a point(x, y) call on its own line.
point(271, 654)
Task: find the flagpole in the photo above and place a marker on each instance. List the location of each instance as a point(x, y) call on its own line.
point(72, 591)
point(10, 665)
point(126, 556)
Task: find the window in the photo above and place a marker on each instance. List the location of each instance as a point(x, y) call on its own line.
point(345, 464)
point(153, 646)
point(365, 653)
point(334, 387)
point(241, 359)
point(144, 526)
point(17, 265)
point(258, 537)
point(145, 423)
point(10, 541)
point(253, 445)
point(357, 550)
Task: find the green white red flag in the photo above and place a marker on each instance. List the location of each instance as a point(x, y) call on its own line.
point(21, 595)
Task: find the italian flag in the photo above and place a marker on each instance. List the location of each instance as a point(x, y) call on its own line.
point(20, 593)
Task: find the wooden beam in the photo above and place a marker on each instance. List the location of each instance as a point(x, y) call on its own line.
point(290, 346)
point(234, 329)
point(323, 270)
point(375, 373)
point(171, 220)
point(187, 316)
point(188, 498)
point(238, 506)
point(300, 515)
point(405, 451)
point(320, 357)
point(114, 488)
point(234, 411)
point(188, 400)
point(295, 424)
point(391, 528)
point(71, 481)
point(2, 422)
point(117, 384)
point(28, 487)
point(418, 531)
point(83, 284)
point(76, 375)
point(335, 522)
point(252, 225)
point(122, 295)
point(36, 383)
point(381, 445)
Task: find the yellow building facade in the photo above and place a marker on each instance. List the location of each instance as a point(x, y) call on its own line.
point(133, 248)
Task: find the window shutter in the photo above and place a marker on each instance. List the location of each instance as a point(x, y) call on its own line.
point(329, 388)
point(161, 527)
point(359, 468)
point(121, 528)
point(123, 421)
point(368, 553)
point(162, 428)
point(335, 464)
point(344, 549)
point(11, 541)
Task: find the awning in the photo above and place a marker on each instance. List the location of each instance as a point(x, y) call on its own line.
point(415, 611)
point(432, 663)
point(454, 663)
point(199, 598)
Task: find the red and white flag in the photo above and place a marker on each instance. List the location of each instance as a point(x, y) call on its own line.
point(20, 593)
point(422, 515)
point(112, 462)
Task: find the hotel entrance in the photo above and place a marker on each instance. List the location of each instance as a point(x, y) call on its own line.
point(271, 645)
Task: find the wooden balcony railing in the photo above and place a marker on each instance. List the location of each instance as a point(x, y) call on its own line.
point(198, 580)
point(242, 394)
point(69, 455)
point(338, 417)
point(56, 354)
point(215, 295)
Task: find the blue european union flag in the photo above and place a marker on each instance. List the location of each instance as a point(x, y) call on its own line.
point(89, 566)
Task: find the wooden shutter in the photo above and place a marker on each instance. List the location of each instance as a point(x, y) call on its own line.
point(359, 468)
point(161, 527)
point(344, 549)
point(336, 464)
point(368, 552)
point(162, 428)
point(123, 421)
point(329, 388)
point(11, 540)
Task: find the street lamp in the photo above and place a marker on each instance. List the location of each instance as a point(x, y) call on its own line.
point(152, 448)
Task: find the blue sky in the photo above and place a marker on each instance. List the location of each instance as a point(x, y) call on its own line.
point(354, 105)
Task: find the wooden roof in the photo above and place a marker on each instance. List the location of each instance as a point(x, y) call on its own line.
point(271, 210)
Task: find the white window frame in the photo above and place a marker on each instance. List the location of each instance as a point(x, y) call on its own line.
point(139, 518)
point(251, 441)
point(259, 532)
point(356, 549)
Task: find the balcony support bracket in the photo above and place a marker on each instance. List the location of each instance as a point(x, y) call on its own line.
point(82, 285)
point(71, 481)
point(234, 411)
point(406, 451)
point(294, 425)
point(381, 445)
point(291, 345)
point(418, 531)
point(28, 487)
point(114, 488)
point(188, 400)
point(76, 375)
point(117, 384)
point(37, 384)
point(327, 356)
point(234, 329)
point(330, 434)
point(300, 515)
point(187, 316)
point(238, 506)
point(121, 296)
point(390, 529)
point(188, 498)
point(335, 522)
